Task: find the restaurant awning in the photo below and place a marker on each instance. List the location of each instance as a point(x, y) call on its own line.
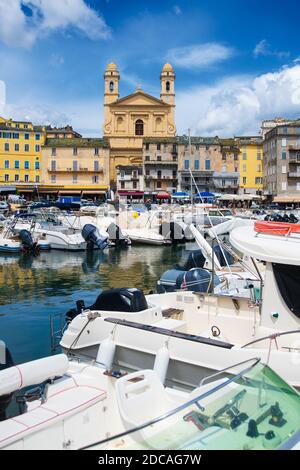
point(283, 199)
point(239, 197)
point(70, 191)
point(180, 195)
point(163, 195)
point(131, 193)
point(205, 194)
point(100, 191)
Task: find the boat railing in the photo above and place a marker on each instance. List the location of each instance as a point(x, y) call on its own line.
point(253, 362)
point(57, 327)
point(271, 337)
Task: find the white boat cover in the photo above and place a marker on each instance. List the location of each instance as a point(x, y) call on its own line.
point(271, 248)
point(32, 373)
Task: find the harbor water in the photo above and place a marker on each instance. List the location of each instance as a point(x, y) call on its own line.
point(33, 288)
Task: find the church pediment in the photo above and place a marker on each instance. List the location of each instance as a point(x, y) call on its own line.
point(139, 98)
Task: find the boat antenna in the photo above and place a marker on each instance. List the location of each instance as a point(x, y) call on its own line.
point(206, 212)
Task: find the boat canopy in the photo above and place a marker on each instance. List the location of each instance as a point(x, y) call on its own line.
point(267, 247)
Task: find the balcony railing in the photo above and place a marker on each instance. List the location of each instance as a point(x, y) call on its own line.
point(293, 174)
point(161, 162)
point(155, 177)
point(78, 170)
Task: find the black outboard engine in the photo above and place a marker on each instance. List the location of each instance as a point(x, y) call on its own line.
point(286, 218)
point(115, 235)
point(121, 300)
point(172, 231)
point(293, 219)
point(5, 399)
point(196, 280)
point(28, 245)
point(93, 238)
point(195, 259)
point(224, 257)
point(199, 280)
point(113, 300)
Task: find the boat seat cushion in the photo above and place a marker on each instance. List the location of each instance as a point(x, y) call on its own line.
point(67, 399)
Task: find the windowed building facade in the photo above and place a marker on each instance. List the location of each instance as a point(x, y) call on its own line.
point(75, 167)
point(20, 155)
point(281, 150)
point(250, 165)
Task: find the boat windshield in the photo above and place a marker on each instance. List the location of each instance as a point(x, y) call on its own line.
point(255, 411)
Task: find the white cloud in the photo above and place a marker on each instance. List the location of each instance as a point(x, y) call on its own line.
point(177, 10)
point(38, 114)
point(263, 48)
point(24, 21)
point(237, 105)
point(199, 55)
point(85, 116)
point(2, 96)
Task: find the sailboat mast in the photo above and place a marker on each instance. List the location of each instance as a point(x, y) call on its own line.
point(190, 152)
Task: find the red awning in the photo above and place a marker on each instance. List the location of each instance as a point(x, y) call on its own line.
point(163, 195)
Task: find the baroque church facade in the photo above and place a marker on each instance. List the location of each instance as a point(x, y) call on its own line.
point(138, 116)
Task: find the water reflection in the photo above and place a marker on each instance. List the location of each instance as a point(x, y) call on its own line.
point(31, 287)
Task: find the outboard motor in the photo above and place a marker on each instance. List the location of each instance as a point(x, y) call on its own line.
point(113, 300)
point(93, 238)
point(5, 399)
point(28, 245)
point(293, 219)
point(195, 259)
point(222, 254)
point(172, 231)
point(196, 280)
point(115, 235)
point(170, 281)
point(121, 300)
point(286, 218)
point(199, 280)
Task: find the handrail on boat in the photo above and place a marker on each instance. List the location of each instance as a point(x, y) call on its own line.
point(271, 336)
point(254, 360)
point(215, 374)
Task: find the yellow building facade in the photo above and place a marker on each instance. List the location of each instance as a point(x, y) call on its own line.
point(250, 164)
point(128, 120)
point(75, 166)
point(20, 154)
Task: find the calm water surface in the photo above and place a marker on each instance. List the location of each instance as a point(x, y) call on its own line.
point(33, 288)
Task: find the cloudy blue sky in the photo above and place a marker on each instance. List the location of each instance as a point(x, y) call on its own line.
point(235, 62)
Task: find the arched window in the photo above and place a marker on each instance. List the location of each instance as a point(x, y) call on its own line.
point(111, 86)
point(168, 86)
point(139, 127)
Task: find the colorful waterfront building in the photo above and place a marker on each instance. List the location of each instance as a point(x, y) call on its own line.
point(250, 165)
point(20, 155)
point(77, 166)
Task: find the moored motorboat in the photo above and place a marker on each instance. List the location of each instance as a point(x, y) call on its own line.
point(227, 327)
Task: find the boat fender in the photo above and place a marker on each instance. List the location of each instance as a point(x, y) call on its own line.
point(161, 362)
point(106, 353)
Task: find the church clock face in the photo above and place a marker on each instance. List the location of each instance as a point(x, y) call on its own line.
point(167, 99)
